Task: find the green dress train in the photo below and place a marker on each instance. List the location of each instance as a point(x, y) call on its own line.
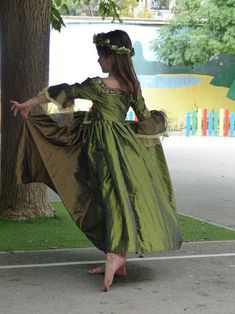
point(117, 190)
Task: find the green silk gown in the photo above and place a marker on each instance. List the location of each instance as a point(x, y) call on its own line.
point(117, 190)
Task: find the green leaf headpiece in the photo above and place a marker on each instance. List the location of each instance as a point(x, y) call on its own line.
point(100, 41)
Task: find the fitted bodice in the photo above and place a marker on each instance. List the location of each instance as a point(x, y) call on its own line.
point(114, 105)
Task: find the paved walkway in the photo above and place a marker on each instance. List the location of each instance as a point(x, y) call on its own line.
point(203, 175)
point(198, 279)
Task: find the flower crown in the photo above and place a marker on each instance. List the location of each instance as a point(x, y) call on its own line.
point(100, 41)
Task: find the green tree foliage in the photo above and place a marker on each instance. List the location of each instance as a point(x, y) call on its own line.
point(56, 7)
point(82, 7)
point(201, 30)
point(127, 7)
point(104, 8)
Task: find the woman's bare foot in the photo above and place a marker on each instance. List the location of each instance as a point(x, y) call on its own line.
point(113, 263)
point(101, 270)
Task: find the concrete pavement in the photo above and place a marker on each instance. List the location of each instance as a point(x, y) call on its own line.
point(203, 175)
point(197, 279)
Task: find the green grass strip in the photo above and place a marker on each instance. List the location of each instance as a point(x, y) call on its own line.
point(60, 232)
point(196, 230)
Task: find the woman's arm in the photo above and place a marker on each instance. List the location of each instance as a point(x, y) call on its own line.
point(62, 95)
point(26, 106)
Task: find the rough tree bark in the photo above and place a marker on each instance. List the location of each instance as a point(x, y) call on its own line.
point(25, 34)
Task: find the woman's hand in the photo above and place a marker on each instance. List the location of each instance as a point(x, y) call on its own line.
point(23, 108)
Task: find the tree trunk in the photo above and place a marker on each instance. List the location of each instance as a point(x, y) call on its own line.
point(25, 34)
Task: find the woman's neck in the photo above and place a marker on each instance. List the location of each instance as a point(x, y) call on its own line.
point(115, 82)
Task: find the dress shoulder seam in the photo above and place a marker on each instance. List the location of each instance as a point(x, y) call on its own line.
point(110, 90)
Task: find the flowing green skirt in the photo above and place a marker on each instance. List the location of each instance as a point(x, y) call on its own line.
point(116, 190)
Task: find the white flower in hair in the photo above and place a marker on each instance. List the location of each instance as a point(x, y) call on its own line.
point(100, 41)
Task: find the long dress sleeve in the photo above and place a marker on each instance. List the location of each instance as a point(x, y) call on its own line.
point(63, 95)
point(150, 125)
point(140, 109)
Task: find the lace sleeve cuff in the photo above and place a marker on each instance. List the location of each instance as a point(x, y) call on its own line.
point(60, 99)
point(151, 128)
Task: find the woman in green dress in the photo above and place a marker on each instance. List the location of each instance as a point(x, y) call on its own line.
point(118, 187)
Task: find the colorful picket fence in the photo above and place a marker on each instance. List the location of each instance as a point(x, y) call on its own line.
point(202, 122)
point(131, 116)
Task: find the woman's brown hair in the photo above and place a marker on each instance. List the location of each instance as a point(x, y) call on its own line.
point(123, 67)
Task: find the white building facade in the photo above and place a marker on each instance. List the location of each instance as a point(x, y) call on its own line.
point(156, 6)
